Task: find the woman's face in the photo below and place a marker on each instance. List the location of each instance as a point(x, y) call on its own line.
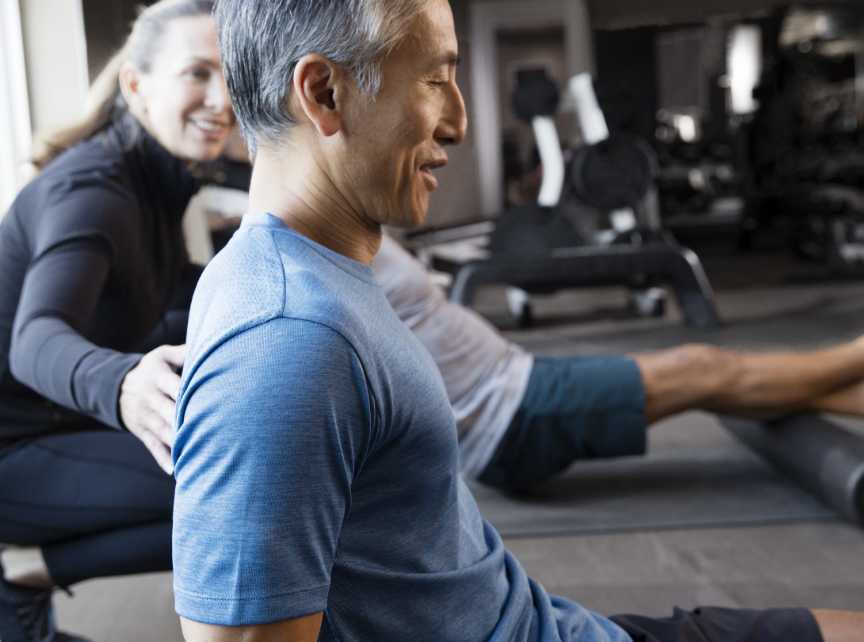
point(183, 100)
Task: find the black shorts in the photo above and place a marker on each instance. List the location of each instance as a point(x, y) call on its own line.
point(724, 625)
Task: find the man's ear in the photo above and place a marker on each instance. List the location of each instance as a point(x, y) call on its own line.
point(317, 90)
point(130, 86)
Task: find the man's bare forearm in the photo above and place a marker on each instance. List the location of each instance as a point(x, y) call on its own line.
point(304, 629)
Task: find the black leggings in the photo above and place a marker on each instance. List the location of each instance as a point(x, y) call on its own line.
point(96, 502)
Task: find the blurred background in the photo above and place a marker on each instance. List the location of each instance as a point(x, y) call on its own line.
point(749, 115)
point(753, 109)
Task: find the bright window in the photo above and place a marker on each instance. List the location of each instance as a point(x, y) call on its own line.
point(14, 112)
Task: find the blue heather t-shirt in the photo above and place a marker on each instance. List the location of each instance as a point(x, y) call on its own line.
point(317, 465)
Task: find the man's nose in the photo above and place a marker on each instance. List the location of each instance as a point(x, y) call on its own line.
point(454, 121)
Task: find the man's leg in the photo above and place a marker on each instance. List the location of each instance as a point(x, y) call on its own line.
point(598, 407)
point(840, 626)
point(704, 377)
point(845, 401)
point(710, 624)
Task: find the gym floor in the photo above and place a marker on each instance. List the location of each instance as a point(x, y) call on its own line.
point(767, 301)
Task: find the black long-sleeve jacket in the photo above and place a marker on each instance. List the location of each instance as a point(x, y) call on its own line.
point(91, 260)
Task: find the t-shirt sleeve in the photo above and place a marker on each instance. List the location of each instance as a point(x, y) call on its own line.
point(272, 426)
point(83, 231)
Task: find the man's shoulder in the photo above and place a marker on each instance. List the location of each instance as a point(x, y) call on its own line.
point(254, 280)
point(241, 287)
point(275, 347)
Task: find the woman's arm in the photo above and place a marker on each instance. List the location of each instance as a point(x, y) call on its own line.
point(76, 241)
point(48, 351)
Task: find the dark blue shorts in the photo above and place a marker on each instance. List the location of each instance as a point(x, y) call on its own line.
point(574, 408)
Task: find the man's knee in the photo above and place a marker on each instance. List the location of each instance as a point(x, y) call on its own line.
point(717, 369)
point(707, 359)
point(686, 361)
point(686, 377)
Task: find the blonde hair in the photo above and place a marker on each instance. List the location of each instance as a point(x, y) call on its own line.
point(104, 100)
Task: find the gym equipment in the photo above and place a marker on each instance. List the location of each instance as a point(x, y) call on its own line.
point(803, 145)
point(821, 456)
point(556, 244)
point(695, 476)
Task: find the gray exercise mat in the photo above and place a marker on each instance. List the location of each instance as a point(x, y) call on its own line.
point(695, 475)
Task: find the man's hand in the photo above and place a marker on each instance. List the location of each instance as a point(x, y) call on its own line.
point(148, 396)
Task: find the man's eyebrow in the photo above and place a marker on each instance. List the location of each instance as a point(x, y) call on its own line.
point(451, 59)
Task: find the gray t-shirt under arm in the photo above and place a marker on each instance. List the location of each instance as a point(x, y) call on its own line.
point(485, 375)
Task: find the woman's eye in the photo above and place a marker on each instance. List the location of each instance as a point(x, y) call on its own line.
point(199, 73)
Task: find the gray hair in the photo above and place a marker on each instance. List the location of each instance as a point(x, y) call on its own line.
point(262, 40)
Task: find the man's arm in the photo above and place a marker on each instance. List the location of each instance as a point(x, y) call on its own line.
point(298, 630)
point(272, 423)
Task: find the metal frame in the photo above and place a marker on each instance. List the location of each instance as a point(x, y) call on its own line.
point(653, 264)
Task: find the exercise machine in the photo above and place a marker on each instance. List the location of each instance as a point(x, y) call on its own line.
point(562, 241)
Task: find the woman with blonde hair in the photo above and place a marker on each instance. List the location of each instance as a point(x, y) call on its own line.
point(95, 283)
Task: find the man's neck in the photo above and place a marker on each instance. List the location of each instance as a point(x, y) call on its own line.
point(305, 198)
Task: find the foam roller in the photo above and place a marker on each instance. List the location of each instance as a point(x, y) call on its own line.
point(821, 456)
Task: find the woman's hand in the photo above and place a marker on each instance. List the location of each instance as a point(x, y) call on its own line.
point(148, 396)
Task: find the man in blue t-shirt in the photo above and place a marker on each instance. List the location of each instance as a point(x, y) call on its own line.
point(318, 487)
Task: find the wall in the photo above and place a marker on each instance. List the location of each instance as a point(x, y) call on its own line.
point(106, 23)
point(55, 52)
point(14, 109)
